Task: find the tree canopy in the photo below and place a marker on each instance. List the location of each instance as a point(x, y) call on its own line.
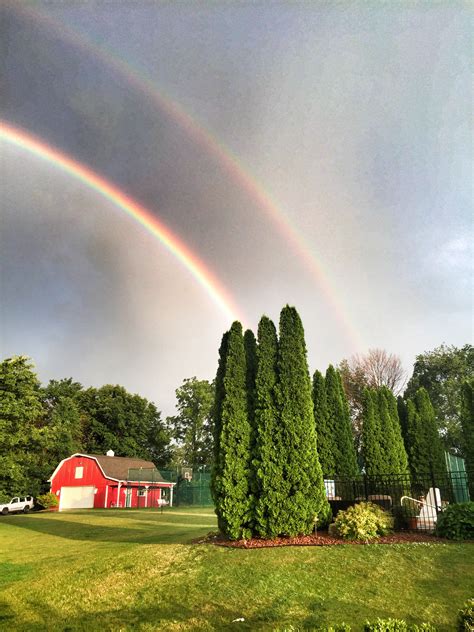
point(191, 428)
point(40, 426)
point(304, 496)
point(372, 370)
point(424, 446)
point(442, 372)
point(21, 414)
point(231, 478)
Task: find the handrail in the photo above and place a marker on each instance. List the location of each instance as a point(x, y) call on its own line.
point(421, 502)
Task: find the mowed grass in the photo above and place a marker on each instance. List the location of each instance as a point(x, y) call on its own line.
point(138, 570)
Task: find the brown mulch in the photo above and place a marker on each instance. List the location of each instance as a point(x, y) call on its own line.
point(322, 538)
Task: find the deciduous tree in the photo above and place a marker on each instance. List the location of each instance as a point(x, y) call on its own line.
point(442, 372)
point(191, 428)
point(374, 369)
point(126, 423)
point(21, 414)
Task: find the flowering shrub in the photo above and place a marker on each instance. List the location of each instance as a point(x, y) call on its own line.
point(466, 616)
point(397, 625)
point(363, 521)
point(381, 625)
point(48, 500)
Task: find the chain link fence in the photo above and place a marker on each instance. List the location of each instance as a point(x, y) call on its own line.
point(192, 484)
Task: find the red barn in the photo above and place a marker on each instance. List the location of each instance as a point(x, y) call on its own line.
point(84, 481)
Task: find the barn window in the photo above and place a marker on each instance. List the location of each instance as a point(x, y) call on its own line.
point(142, 492)
point(79, 472)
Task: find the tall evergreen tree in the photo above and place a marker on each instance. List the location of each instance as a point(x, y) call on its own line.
point(425, 449)
point(304, 498)
point(372, 456)
point(399, 445)
point(269, 454)
point(346, 429)
point(387, 435)
point(325, 438)
point(250, 345)
point(467, 424)
point(231, 480)
point(217, 414)
point(340, 426)
point(402, 416)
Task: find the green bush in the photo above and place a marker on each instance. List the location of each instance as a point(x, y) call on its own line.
point(466, 616)
point(48, 501)
point(397, 625)
point(363, 521)
point(381, 625)
point(456, 522)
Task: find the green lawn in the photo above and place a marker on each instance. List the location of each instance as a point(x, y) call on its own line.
point(136, 570)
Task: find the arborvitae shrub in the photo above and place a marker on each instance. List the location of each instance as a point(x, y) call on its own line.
point(325, 438)
point(269, 452)
point(339, 426)
point(371, 444)
point(231, 489)
point(425, 449)
point(304, 497)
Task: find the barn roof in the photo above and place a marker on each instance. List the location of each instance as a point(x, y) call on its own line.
point(118, 466)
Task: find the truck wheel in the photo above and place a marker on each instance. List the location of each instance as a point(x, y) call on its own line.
point(5, 511)
point(26, 509)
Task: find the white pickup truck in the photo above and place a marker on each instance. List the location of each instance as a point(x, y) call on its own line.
point(17, 504)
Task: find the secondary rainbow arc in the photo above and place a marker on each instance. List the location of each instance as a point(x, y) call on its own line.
point(22, 139)
point(232, 165)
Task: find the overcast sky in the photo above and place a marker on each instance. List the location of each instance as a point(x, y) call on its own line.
point(350, 121)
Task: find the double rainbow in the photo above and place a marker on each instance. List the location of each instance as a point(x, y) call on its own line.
point(236, 170)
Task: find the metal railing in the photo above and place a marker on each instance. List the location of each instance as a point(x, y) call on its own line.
point(415, 502)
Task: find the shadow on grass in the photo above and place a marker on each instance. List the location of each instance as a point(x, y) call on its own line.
point(162, 615)
point(152, 532)
point(158, 616)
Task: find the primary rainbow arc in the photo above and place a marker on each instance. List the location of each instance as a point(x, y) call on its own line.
point(139, 213)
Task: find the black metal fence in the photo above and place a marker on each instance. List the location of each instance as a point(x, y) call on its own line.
point(415, 502)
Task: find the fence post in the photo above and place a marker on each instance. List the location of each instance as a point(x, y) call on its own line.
point(366, 491)
point(433, 482)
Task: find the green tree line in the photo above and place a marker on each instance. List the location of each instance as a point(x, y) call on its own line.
point(41, 425)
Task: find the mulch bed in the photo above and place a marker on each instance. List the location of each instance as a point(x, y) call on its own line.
point(322, 538)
